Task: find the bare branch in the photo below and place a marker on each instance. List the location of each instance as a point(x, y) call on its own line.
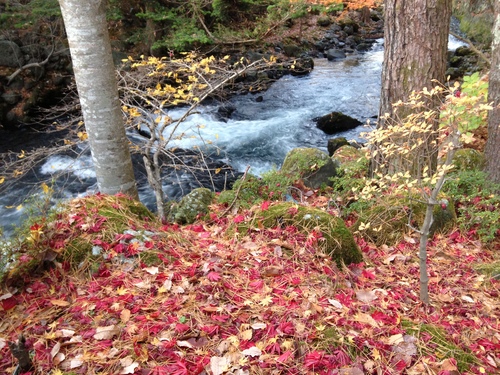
point(30, 65)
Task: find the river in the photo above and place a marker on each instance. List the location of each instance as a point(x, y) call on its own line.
point(258, 134)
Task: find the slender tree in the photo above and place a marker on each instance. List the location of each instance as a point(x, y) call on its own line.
point(86, 28)
point(493, 143)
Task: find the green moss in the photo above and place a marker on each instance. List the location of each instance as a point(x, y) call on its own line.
point(338, 240)
point(311, 165)
point(468, 159)
point(190, 206)
point(252, 190)
point(386, 219)
point(441, 344)
point(329, 340)
point(490, 269)
point(77, 251)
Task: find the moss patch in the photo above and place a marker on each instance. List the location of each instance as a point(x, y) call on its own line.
point(190, 206)
point(468, 159)
point(386, 221)
point(338, 240)
point(313, 166)
point(439, 344)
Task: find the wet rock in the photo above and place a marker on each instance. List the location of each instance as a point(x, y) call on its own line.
point(335, 54)
point(336, 122)
point(10, 54)
point(324, 21)
point(11, 98)
point(335, 143)
point(225, 112)
point(292, 50)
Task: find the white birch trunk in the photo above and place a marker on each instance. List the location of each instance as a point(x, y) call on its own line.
point(86, 28)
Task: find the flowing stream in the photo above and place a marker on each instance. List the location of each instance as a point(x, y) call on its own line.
point(258, 133)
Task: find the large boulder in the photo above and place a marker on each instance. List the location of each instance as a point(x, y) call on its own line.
point(338, 241)
point(336, 122)
point(311, 165)
point(190, 206)
point(10, 54)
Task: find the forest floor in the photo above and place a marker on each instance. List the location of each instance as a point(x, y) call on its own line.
point(206, 299)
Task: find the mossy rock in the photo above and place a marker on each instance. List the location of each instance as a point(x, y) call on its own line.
point(338, 240)
point(468, 159)
point(190, 206)
point(386, 221)
point(311, 165)
point(335, 143)
point(352, 159)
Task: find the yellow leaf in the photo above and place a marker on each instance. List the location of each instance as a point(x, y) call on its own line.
point(21, 155)
point(376, 354)
point(266, 301)
point(45, 188)
point(57, 371)
point(82, 135)
point(19, 207)
point(121, 291)
point(2, 180)
point(247, 334)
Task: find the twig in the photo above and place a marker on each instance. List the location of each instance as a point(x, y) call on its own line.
point(237, 192)
point(473, 48)
point(30, 65)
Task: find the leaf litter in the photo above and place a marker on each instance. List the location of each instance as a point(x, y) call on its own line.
point(215, 301)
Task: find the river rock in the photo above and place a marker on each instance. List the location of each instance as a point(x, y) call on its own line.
point(292, 50)
point(335, 54)
point(192, 205)
point(336, 122)
point(335, 143)
point(10, 54)
point(311, 165)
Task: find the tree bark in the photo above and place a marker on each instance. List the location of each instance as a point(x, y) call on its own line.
point(493, 142)
point(86, 28)
point(416, 47)
point(415, 54)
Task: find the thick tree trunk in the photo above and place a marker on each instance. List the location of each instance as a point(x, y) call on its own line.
point(416, 45)
point(493, 143)
point(86, 28)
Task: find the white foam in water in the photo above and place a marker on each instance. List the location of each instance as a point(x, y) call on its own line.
point(82, 167)
point(454, 43)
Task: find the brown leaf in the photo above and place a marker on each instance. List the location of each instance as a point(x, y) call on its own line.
point(125, 315)
point(106, 333)
point(59, 302)
point(366, 296)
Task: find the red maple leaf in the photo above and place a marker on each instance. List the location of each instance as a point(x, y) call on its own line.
point(265, 205)
point(285, 356)
point(213, 276)
point(238, 219)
